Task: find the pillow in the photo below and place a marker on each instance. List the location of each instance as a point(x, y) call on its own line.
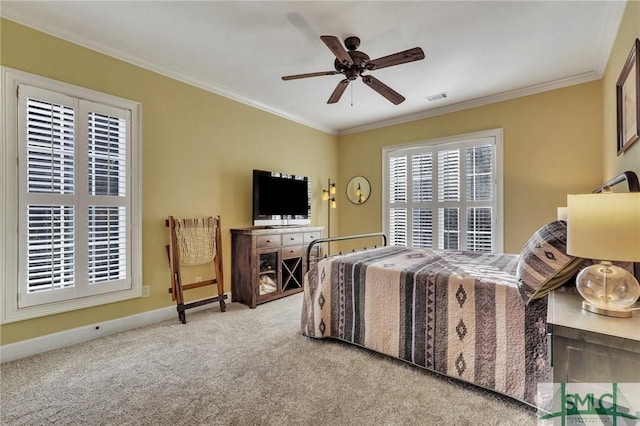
point(544, 264)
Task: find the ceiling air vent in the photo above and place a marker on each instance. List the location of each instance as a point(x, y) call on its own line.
point(437, 96)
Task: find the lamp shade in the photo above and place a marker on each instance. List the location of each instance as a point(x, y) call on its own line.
point(604, 226)
point(562, 213)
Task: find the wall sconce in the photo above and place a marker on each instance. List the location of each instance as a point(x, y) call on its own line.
point(359, 194)
point(331, 204)
point(358, 190)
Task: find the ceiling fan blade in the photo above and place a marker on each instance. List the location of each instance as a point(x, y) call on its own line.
point(335, 45)
point(386, 91)
point(338, 91)
point(410, 55)
point(311, 74)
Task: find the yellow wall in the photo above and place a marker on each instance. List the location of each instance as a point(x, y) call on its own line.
point(629, 31)
point(198, 153)
point(199, 150)
point(555, 143)
point(551, 148)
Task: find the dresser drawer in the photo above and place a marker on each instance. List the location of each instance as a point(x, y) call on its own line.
point(263, 241)
point(310, 236)
point(292, 251)
point(292, 239)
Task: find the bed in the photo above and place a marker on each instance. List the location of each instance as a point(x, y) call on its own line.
point(476, 317)
point(456, 313)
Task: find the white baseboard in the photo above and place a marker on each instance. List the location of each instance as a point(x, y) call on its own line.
point(13, 351)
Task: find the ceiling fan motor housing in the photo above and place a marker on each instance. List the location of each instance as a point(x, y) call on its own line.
point(360, 60)
point(352, 43)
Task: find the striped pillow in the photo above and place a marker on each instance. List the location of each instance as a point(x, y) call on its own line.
point(544, 264)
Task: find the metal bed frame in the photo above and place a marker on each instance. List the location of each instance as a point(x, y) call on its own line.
point(630, 177)
point(346, 237)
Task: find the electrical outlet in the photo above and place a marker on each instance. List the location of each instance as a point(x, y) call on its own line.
point(198, 278)
point(146, 291)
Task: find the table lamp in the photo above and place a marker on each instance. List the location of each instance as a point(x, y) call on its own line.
point(562, 213)
point(605, 227)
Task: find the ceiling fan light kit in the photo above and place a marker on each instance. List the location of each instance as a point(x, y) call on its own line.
point(353, 63)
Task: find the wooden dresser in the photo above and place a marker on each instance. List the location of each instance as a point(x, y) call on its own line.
point(269, 263)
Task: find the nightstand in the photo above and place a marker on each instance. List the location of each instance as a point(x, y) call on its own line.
point(591, 348)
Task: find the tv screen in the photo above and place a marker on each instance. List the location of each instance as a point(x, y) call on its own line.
point(280, 199)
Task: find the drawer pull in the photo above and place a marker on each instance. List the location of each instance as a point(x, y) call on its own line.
point(268, 241)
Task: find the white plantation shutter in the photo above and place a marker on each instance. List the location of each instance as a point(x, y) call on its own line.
point(479, 229)
point(422, 177)
point(73, 189)
point(452, 188)
point(107, 155)
point(50, 248)
point(449, 175)
point(107, 136)
point(398, 196)
point(50, 129)
point(422, 227)
point(71, 233)
point(449, 228)
point(47, 123)
point(398, 227)
point(422, 195)
point(448, 191)
point(398, 179)
point(107, 244)
point(479, 173)
point(50, 160)
point(480, 189)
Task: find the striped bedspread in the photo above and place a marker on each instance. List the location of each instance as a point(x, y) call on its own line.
point(456, 313)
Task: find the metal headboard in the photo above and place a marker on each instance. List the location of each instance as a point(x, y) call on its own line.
point(630, 177)
point(346, 237)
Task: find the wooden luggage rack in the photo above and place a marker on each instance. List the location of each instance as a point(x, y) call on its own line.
point(208, 231)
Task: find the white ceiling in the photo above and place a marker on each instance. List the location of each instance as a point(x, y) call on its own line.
point(478, 52)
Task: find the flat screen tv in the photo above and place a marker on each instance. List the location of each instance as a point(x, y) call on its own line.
point(280, 199)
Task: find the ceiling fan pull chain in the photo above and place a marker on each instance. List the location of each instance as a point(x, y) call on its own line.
point(352, 94)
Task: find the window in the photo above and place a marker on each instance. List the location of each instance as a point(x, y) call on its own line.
point(445, 193)
point(71, 190)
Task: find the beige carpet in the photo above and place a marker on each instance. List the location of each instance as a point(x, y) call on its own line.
point(241, 367)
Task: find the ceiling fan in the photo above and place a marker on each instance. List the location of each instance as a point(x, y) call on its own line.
point(353, 63)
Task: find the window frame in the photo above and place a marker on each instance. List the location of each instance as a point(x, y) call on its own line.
point(11, 204)
point(495, 136)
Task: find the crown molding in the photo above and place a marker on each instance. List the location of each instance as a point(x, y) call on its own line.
point(63, 34)
point(473, 103)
